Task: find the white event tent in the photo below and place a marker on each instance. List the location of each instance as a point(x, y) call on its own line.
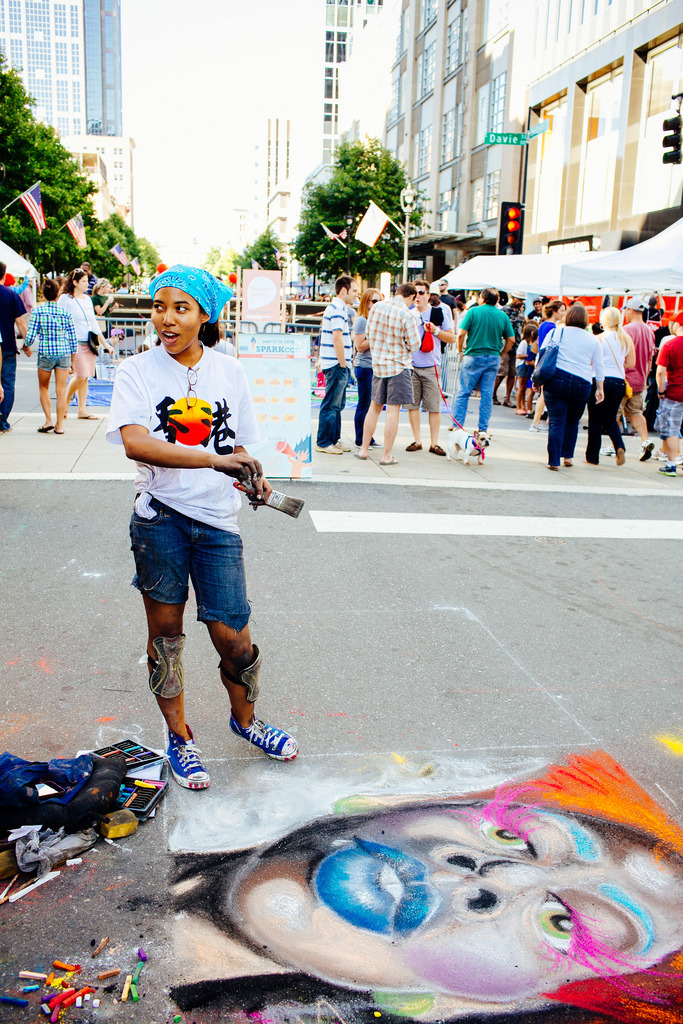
point(15, 263)
point(655, 265)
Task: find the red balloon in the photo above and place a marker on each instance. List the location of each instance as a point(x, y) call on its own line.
point(10, 279)
point(161, 268)
point(232, 278)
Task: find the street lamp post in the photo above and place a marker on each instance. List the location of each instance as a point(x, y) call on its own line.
point(408, 200)
point(349, 223)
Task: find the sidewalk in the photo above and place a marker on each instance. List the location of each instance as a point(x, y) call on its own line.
point(516, 459)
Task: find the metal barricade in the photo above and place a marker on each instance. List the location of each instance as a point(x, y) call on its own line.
point(450, 370)
point(127, 334)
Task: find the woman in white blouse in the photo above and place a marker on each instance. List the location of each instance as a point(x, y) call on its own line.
point(579, 360)
point(618, 353)
point(74, 297)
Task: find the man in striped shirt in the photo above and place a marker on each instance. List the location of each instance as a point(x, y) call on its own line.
point(336, 352)
point(393, 333)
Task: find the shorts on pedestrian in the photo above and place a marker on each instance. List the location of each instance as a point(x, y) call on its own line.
point(508, 363)
point(631, 406)
point(669, 418)
point(171, 548)
point(426, 391)
point(54, 362)
point(523, 370)
point(396, 390)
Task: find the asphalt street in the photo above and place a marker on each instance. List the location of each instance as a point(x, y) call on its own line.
point(397, 661)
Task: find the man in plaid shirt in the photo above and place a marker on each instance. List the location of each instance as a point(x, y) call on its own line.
point(392, 331)
point(54, 328)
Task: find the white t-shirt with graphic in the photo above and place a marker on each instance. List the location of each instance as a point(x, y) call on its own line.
point(151, 389)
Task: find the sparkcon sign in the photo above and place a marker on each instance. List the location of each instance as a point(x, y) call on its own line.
point(515, 138)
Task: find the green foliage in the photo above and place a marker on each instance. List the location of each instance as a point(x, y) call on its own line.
point(262, 250)
point(362, 171)
point(31, 152)
point(220, 263)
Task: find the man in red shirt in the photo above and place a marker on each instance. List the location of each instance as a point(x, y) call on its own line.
point(670, 390)
point(644, 343)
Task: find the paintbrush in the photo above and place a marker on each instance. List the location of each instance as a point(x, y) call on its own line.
point(282, 502)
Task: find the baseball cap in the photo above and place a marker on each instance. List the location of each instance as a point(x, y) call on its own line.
point(634, 303)
point(678, 319)
point(517, 295)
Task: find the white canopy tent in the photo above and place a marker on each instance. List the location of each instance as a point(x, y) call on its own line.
point(655, 266)
point(15, 263)
point(539, 273)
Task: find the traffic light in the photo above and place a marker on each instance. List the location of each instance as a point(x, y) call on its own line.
point(510, 229)
point(672, 142)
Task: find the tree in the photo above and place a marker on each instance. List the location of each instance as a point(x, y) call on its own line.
point(31, 152)
point(220, 263)
point(105, 235)
point(362, 171)
point(262, 251)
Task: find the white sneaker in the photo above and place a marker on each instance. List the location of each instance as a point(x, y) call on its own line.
point(646, 450)
point(534, 429)
point(342, 447)
point(331, 449)
point(607, 451)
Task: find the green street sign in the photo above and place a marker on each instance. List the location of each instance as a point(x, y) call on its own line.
point(540, 128)
point(505, 139)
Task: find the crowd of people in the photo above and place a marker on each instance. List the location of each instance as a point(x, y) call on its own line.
point(613, 367)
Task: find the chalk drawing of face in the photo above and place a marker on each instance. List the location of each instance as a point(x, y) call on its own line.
point(485, 906)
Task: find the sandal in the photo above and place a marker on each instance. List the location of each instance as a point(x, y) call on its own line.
point(436, 449)
point(45, 430)
point(390, 462)
point(414, 447)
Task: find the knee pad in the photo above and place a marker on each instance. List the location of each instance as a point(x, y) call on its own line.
point(247, 677)
point(167, 678)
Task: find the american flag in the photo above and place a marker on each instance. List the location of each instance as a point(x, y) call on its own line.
point(278, 258)
point(135, 264)
point(117, 251)
point(34, 204)
point(75, 226)
point(331, 234)
point(255, 265)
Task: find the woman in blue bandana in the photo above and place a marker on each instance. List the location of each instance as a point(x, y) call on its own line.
point(184, 414)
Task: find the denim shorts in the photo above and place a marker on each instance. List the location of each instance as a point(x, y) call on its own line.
point(171, 548)
point(54, 362)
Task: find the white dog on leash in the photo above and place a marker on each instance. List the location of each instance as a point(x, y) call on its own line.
point(463, 446)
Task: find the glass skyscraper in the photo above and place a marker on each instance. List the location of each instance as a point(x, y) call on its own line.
point(102, 35)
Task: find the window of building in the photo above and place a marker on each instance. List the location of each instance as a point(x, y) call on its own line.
point(62, 91)
point(63, 125)
point(75, 59)
point(448, 210)
point(658, 185)
point(341, 47)
point(428, 64)
point(329, 83)
point(16, 54)
point(424, 152)
point(60, 19)
point(402, 38)
point(495, 16)
point(453, 44)
point(428, 9)
point(448, 136)
point(395, 99)
point(61, 60)
point(329, 47)
point(497, 117)
point(600, 144)
point(15, 24)
point(74, 21)
point(77, 126)
point(76, 97)
point(2, 17)
point(483, 95)
point(477, 200)
point(492, 195)
point(549, 157)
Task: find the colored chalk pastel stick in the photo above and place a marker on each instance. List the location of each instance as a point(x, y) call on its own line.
point(136, 973)
point(61, 966)
point(103, 975)
point(95, 1003)
point(12, 1001)
point(134, 992)
point(30, 988)
point(142, 955)
point(100, 947)
point(126, 988)
point(33, 975)
point(46, 1010)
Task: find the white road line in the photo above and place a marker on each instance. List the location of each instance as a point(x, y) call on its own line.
point(487, 485)
point(431, 524)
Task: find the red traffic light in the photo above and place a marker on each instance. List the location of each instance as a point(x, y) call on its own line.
point(513, 225)
point(514, 213)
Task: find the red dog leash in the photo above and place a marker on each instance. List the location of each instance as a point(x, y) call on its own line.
point(428, 327)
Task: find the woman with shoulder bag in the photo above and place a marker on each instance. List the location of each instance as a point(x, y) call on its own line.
point(618, 353)
point(75, 299)
point(579, 360)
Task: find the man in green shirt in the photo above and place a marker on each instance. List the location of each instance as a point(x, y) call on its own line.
point(484, 334)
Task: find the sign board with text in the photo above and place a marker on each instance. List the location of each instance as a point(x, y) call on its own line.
point(261, 294)
point(505, 139)
point(278, 368)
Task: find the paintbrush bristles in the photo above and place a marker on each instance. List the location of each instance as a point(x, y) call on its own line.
point(290, 506)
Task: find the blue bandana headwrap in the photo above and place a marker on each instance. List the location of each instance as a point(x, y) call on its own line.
point(210, 293)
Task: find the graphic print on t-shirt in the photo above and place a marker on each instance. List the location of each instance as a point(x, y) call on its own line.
point(192, 421)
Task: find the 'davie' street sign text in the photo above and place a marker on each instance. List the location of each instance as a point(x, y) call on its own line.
point(505, 139)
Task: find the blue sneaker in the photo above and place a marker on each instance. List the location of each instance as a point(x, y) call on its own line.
point(272, 741)
point(185, 763)
point(668, 470)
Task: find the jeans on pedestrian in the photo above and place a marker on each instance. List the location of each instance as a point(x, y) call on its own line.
point(329, 417)
point(565, 398)
point(602, 418)
point(364, 379)
point(7, 379)
point(476, 371)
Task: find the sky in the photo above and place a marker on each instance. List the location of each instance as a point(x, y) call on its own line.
point(200, 78)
